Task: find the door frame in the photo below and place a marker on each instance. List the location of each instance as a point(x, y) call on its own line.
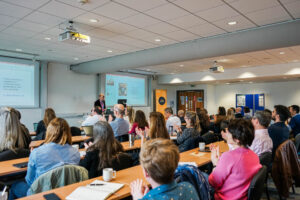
point(177, 95)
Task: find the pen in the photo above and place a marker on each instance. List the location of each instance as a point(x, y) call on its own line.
point(3, 192)
point(96, 184)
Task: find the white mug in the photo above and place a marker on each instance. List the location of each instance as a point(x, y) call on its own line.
point(4, 197)
point(202, 146)
point(108, 174)
point(76, 146)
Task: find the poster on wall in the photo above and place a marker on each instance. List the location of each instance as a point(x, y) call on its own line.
point(261, 101)
point(241, 100)
point(182, 100)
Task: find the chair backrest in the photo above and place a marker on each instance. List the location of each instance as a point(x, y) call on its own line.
point(75, 131)
point(256, 187)
point(266, 159)
point(297, 142)
point(58, 177)
point(88, 130)
point(210, 137)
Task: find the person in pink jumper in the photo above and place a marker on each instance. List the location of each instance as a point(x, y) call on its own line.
point(235, 169)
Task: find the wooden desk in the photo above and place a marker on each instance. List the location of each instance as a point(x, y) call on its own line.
point(75, 139)
point(126, 176)
point(6, 167)
point(127, 147)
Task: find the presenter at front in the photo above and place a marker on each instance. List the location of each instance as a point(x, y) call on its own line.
point(101, 103)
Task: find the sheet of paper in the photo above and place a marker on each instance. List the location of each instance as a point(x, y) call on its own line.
point(198, 154)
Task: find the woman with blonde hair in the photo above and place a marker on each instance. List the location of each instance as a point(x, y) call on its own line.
point(129, 115)
point(230, 114)
point(55, 152)
point(12, 141)
point(42, 125)
point(192, 131)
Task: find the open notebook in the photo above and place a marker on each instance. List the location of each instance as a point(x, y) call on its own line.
point(101, 191)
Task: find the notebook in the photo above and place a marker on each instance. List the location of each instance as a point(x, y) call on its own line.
point(102, 190)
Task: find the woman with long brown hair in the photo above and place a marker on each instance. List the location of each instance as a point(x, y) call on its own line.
point(55, 152)
point(42, 125)
point(139, 122)
point(104, 152)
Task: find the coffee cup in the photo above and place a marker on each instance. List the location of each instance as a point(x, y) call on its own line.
point(108, 174)
point(202, 146)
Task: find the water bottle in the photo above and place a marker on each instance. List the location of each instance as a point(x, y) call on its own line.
point(131, 140)
point(170, 130)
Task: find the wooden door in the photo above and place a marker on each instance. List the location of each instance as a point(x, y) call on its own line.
point(190, 100)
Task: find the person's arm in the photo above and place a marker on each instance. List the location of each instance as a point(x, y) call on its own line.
point(255, 146)
point(184, 136)
point(221, 171)
point(31, 168)
point(134, 126)
point(87, 161)
point(292, 123)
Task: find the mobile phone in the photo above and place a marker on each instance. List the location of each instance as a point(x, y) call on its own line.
point(51, 196)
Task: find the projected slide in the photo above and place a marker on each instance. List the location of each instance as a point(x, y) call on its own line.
point(16, 84)
point(125, 87)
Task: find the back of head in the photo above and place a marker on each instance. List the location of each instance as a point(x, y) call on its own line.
point(193, 117)
point(105, 143)
point(140, 119)
point(233, 108)
point(222, 111)
point(169, 110)
point(238, 110)
point(180, 113)
point(242, 130)
point(10, 133)
point(130, 113)
point(204, 119)
point(120, 109)
point(158, 127)
point(268, 111)
point(58, 131)
point(263, 117)
point(48, 116)
point(97, 110)
point(160, 157)
point(246, 109)
point(295, 108)
point(283, 112)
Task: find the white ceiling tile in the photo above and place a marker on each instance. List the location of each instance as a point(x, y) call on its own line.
point(119, 27)
point(82, 28)
point(101, 33)
point(18, 32)
point(114, 11)
point(181, 35)
point(13, 11)
point(7, 20)
point(142, 5)
point(31, 4)
point(167, 12)
point(267, 16)
point(90, 5)
point(61, 10)
point(294, 8)
point(43, 18)
point(217, 13)
point(30, 26)
point(205, 29)
point(140, 20)
point(164, 41)
point(161, 28)
point(187, 21)
point(85, 18)
point(54, 31)
point(242, 23)
point(198, 5)
point(140, 34)
point(2, 27)
point(246, 6)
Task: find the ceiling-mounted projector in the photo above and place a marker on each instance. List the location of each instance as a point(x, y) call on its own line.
point(216, 68)
point(71, 36)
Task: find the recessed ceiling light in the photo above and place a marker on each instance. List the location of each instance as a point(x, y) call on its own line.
point(227, 83)
point(94, 20)
point(281, 53)
point(148, 70)
point(232, 23)
point(76, 59)
point(295, 60)
point(172, 73)
point(47, 38)
point(157, 40)
point(284, 77)
point(181, 65)
point(19, 50)
point(250, 82)
point(241, 80)
point(109, 51)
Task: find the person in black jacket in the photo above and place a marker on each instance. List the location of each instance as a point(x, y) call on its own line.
point(42, 125)
point(100, 102)
point(104, 152)
point(12, 141)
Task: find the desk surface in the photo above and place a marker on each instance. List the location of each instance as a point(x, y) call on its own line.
point(6, 167)
point(75, 139)
point(126, 176)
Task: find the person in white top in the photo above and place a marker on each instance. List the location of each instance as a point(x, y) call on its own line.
point(93, 118)
point(262, 142)
point(172, 120)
